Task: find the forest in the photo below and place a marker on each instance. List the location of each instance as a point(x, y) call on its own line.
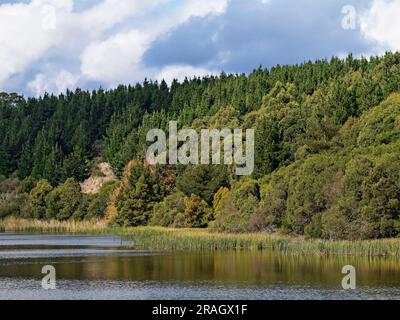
point(327, 152)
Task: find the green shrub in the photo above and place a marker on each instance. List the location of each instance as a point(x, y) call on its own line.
point(37, 199)
point(203, 181)
point(170, 211)
point(66, 201)
point(381, 125)
point(98, 202)
point(239, 209)
point(197, 212)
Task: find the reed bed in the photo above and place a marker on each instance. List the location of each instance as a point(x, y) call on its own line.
point(163, 239)
point(51, 226)
point(190, 239)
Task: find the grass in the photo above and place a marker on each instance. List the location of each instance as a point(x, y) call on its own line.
point(157, 238)
point(52, 226)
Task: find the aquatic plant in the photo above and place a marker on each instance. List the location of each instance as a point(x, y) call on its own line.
point(169, 239)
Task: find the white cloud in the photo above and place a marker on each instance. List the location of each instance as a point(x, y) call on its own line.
point(111, 12)
point(49, 38)
point(58, 82)
point(106, 42)
point(202, 8)
point(179, 72)
point(27, 32)
point(381, 24)
point(189, 9)
point(116, 59)
point(119, 58)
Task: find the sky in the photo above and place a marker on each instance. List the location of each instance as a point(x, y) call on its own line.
point(52, 45)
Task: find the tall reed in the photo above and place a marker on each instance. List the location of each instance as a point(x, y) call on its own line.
point(157, 238)
point(190, 239)
point(51, 226)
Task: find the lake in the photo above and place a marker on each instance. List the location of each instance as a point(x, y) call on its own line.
point(103, 267)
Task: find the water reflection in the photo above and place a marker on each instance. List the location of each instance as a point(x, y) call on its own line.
point(105, 268)
point(11, 239)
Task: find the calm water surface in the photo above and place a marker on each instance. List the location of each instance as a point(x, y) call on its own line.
point(110, 268)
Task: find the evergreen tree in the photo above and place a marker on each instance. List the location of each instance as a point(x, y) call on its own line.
point(267, 146)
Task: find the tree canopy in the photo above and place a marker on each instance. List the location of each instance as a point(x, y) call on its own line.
point(326, 151)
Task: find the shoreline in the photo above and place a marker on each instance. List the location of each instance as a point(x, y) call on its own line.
point(166, 239)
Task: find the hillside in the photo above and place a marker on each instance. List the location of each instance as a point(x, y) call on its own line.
point(95, 182)
point(327, 152)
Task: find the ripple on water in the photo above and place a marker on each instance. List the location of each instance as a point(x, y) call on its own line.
point(107, 268)
point(9, 239)
point(16, 289)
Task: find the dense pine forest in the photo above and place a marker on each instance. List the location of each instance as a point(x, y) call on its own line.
point(327, 152)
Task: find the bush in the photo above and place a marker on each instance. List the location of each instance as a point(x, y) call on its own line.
point(169, 212)
point(334, 225)
point(197, 212)
point(314, 229)
point(11, 197)
point(10, 204)
point(381, 125)
point(10, 185)
point(239, 209)
point(28, 184)
point(219, 199)
point(53, 204)
point(381, 198)
point(37, 199)
point(138, 196)
point(66, 201)
point(98, 202)
point(203, 181)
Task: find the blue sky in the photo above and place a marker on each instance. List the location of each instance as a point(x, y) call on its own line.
point(52, 45)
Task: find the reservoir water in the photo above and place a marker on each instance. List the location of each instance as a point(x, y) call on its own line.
point(110, 268)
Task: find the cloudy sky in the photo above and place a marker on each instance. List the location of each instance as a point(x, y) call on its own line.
point(51, 45)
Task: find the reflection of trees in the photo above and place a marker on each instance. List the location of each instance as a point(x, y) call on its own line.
point(239, 268)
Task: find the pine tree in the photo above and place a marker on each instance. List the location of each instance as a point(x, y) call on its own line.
point(267, 146)
point(25, 162)
point(52, 170)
